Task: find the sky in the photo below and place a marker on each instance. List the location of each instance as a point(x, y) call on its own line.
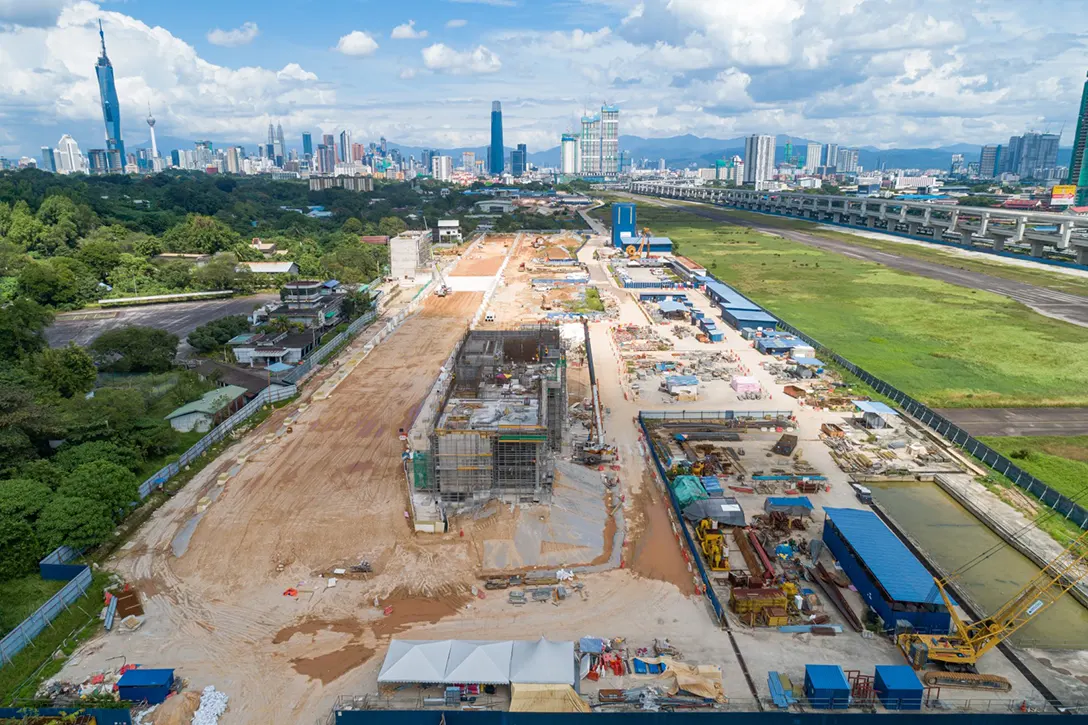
point(883, 73)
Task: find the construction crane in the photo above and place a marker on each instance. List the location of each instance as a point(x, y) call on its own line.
point(959, 653)
point(643, 246)
point(443, 288)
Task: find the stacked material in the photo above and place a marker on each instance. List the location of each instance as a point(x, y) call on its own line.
point(745, 384)
point(212, 704)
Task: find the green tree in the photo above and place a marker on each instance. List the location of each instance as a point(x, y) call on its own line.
point(219, 273)
point(71, 457)
point(135, 349)
point(100, 255)
point(353, 226)
point(58, 282)
point(148, 247)
point(68, 370)
point(281, 324)
point(24, 229)
point(132, 276)
point(22, 327)
point(12, 258)
point(105, 482)
point(200, 235)
point(23, 498)
point(175, 275)
point(391, 226)
point(19, 548)
point(76, 522)
point(40, 470)
point(213, 335)
point(355, 304)
point(111, 413)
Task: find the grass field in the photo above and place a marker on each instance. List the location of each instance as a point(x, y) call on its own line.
point(947, 345)
point(22, 597)
point(1062, 462)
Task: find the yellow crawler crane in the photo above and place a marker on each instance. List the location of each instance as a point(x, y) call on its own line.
point(958, 653)
point(643, 247)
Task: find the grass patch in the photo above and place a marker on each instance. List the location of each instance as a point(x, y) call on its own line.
point(19, 679)
point(591, 303)
point(22, 597)
point(949, 346)
point(1061, 463)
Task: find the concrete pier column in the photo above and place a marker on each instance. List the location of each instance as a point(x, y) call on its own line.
point(1037, 248)
point(1021, 227)
point(1081, 255)
point(926, 217)
point(912, 228)
point(1065, 229)
point(999, 244)
point(985, 222)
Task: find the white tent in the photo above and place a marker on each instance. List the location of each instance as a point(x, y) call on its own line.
point(542, 662)
point(479, 663)
point(416, 661)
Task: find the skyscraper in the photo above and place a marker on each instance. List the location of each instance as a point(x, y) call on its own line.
point(151, 127)
point(1010, 160)
point(590, 146)
point(1036, 154)
point(988, 161)
point(111, 110)
point(519, 160)
point(568, 158)
point(279, 148)
point(832, 157)
point(69, 158)
point(49, 160)
point(442, 167)
point(812, 158)
point(496, 159)
point(345, 146)
point(1078, 169)
point(610, 141)
point(758, 159)
point(307, 145)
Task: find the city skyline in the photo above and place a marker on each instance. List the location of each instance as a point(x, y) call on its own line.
point(244, 67)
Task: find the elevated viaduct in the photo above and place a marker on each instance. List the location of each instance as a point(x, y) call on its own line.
point(1047, 236)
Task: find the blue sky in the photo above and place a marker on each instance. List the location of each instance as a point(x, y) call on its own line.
point(424, 72)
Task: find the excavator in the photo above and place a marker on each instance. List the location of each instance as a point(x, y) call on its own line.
point(958, 653)
point(643, 247)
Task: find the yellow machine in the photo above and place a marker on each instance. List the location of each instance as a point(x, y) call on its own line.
point(712, 542)
point(959, 652)
point(640, 251)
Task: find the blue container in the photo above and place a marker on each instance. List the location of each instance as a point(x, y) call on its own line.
point(898, 687)
point(151, 686)
point(826, 687)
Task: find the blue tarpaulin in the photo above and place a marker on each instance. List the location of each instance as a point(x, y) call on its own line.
point(591, 645)
point(647, 668)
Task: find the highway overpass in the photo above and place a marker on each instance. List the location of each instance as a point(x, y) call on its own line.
point(1048, 236)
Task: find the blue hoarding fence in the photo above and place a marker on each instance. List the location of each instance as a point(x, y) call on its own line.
point(55, 564)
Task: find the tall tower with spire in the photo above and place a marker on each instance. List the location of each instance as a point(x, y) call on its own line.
point(111, 109)
point(151, 125)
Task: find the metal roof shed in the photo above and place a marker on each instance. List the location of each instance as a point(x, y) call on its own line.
point(826, 687)
point(725, 511)
point(792, 505)
point(151, 686)
point(542, 662)
point(898, 687)
point(748, 318)
point(875, 413)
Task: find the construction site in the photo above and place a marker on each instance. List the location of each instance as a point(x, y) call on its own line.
point(493, 505)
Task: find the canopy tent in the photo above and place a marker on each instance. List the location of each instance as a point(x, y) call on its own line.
point(416, 661)
point(792, 505)
point(542, 662)
point(479, 663)
point(725, 511)
point(546, 698)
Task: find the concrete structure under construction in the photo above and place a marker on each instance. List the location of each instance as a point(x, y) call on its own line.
point(410, 256)
point(1038, 234)
point(501, 424)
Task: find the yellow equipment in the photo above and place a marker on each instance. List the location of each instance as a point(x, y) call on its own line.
point(959, 652)
point(697, 468)
point(640, 251)
point(712, 542)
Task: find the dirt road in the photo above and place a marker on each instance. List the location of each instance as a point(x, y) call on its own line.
point(1020, 421)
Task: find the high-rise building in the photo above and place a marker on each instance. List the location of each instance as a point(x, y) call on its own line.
point(847, 161)
point(758, 159)
point(279, 148)
point(957, 167)
point(812, 158)
point(610, 141)
point(1038, 155)
point(49, 160)
point(831, 158)
point(111, 110)
point(468, 161)
point(519, 160)
point(425, 158)
point(1078, 169)
point(442, 167)
point(97, 161)
point(69, 159)
point(568, 154)
point(496, 157)
point(307, 146)
point(383, 146)
point(989, 161)
point(176, 158)
point(345, 146)
point(661, 165)
point(590, 146)
point(1010, 161)
point(234, 160)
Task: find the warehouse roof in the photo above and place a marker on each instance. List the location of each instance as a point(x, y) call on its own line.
point(211, 402)
point(748, 315)
point(667, 306)
point(897, 570)
point(874, 406)
point(810, 361)
point(681, 380)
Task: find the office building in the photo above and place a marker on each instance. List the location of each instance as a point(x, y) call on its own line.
point(598, 147)
point(519, 159)
point(831, 158)
point(496, 156)
point(442, 168)
point(468, 161)
point(1078, 169)
point(847, 162)
point(345, 146)
point(1038, 155)
point(610, 141)
point(279, 147)
point(758, 159)
point(568, 154)
point(69, 159)
point(97, 162)
point(989, 161)
point(661, 165)
point(111, 109)
point(49, 160)
point(590, 146)
point(307, 146)
point(812, 158)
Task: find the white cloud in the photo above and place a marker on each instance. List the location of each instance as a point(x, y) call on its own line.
point(33, 13)
point(407, 31)
point(578, 39)
point(357, 43)
point(441, 57)
point(456, 23)
point(407, 74)
point(495, 3)
point(242, 35)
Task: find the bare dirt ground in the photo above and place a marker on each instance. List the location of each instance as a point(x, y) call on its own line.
point(486, 258)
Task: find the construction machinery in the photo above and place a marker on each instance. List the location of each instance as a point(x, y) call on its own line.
point(712, 542)
point(443, 289)
point(958, 653)
point(643, 247)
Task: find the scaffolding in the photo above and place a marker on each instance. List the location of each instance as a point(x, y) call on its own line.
point(501, 423)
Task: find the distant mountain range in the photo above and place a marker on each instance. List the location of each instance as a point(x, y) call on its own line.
point(689, 150)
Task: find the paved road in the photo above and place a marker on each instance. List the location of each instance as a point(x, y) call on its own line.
point(1020, 421)
point(1052, 303)
point(180, 318)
